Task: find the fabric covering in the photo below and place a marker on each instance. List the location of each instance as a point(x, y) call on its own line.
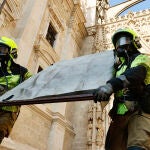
point(81, 73)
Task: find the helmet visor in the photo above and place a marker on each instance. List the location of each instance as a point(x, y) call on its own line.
point(4, 50)
point(124, 40)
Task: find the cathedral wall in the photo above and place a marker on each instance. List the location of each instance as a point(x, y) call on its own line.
point(43, 127)
point(64, 126)
point(32, 127)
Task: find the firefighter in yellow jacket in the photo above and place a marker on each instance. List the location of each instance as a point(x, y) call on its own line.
point(130, 114)
point(11, 74)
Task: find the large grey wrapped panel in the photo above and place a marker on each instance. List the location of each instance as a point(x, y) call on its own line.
point(78, 74)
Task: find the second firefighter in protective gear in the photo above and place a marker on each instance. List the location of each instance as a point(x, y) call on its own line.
point(130, 126)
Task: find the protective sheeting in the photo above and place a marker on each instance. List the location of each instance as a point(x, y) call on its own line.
point(78, 74)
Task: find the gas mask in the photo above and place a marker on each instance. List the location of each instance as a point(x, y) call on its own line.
point(4, 52)
point(123, 46)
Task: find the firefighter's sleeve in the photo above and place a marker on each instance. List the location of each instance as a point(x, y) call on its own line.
point(132, 76)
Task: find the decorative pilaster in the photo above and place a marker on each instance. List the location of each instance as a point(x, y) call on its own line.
point(95, 132)
point(99, 127)
point(90, 124)
point(100, 39)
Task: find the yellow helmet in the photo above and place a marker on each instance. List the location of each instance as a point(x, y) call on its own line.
point(131, 33)
point(11, 44)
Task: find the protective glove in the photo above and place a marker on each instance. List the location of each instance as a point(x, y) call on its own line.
point(103, 93)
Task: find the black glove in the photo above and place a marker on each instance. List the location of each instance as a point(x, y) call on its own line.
point(103, 93)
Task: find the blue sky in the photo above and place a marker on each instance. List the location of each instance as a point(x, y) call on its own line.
point(141, 6)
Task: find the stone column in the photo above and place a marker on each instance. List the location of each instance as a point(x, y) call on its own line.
point(95, 132)
point(56, 137)
point(61, 134)
point(27, 28)
point(99, 127)
point(91, 132)
point(94, 128)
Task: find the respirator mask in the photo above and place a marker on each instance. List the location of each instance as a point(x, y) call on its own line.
point(4, 52)
point(122, 46)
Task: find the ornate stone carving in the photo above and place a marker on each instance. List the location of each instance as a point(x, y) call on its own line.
point(91, 31)
point(95, 130)
point(139, 21)
point(101, 7)
point(100, 133)
point(89, 132)
point(98, 112)
point(90, 123)
point(90, 113)
point(99, 128)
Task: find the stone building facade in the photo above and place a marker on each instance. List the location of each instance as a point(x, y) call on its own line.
point(48, 31)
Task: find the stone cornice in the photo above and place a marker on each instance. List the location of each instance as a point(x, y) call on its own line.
point(81, 20)
point(43, 113)
point(70, 3)
point(15, 8)
point(83, 30)
point(54, 117)
point(55, 18)
point(76, 24)
point(60, 120)
point(11, 11)
point(60, 11)
point(79, 13)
